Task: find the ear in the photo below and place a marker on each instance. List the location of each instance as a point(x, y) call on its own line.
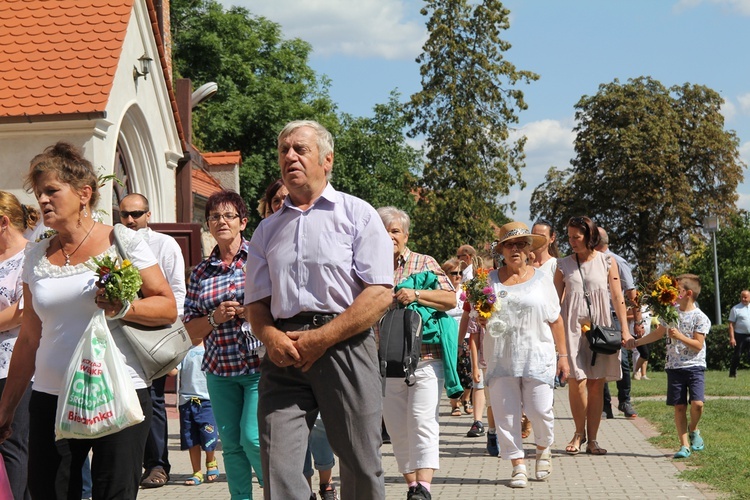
point(328, 162)
point(85, 193)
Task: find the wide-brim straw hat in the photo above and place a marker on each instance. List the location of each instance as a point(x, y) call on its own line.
point(517, 230)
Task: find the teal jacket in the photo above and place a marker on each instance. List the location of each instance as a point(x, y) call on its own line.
point(438, 328)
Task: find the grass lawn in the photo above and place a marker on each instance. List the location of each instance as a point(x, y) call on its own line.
point(725, 427)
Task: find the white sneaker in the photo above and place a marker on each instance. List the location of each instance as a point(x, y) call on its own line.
point(519, 479)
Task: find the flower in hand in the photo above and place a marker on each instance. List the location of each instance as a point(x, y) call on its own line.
point(120, 280)
point(480, 294)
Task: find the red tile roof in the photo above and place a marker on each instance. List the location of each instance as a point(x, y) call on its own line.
point(222, 158)
point(59, 57)
point(204, 183)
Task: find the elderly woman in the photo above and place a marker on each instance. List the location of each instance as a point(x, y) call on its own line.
point(15, 220)
point(519, 348)
point(452, 268)
point(411, 413)
point(214, 313)
point(60, 298)
point(588, 272)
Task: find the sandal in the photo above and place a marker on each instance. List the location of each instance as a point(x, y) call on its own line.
point(572, 449)
point(456, 412)
point(594, 449)
point(212, 471)
point(156, 478)
point(467, 407)
point(519, 479)
point(543, 464)
point(195, 479)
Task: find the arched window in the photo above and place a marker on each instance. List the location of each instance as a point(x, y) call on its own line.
point(122, 188)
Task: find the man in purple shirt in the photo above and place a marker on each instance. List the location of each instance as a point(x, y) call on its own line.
point(319, 275)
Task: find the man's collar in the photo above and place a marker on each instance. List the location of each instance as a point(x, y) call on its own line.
point(329, 194)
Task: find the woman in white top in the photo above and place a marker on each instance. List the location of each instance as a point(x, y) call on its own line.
point(520, 344)
point(545, 257)
point(15, 220)
point(60, 298)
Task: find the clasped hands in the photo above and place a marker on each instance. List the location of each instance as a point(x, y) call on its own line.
point(296, 348)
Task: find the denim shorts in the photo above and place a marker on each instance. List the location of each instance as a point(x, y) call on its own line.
point(197, 425)
point(682, 380)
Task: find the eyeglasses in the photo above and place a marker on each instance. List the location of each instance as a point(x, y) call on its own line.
point(463, 255)
point(229, 217)
point(455, 273)
point(520, 245)
point(135, 214)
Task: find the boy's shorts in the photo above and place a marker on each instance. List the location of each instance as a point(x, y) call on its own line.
point(480, 384)
point(197, 425)
point(682, 380)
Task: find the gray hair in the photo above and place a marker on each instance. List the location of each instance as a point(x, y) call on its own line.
point(389, 215)
point(324, 137)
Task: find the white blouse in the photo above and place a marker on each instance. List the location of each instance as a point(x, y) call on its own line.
point(518, 340)
point(63, 298)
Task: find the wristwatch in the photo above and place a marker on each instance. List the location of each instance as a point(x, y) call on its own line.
point(416, 294)
point(211, 320)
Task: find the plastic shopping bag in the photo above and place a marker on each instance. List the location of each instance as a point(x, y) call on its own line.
point(97, 396)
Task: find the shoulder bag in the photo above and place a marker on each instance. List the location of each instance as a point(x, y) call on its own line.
point(605, 340)
point(159, 349)
point(400, 344)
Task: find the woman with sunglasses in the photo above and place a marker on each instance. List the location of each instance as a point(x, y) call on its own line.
point(519, 347)
point(452, 269)
point(214, 312)
point(587, 273)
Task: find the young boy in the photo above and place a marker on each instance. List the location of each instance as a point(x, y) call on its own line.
point(686, 363)
point(197, 423)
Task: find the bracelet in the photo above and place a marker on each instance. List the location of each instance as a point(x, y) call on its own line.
point(211, 320)
point(123, 311)
point(562, 355)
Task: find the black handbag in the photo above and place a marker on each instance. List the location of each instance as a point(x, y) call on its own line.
point(605, 340)
point(400, 344)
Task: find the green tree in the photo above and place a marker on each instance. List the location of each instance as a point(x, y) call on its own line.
point(650, 164)
point(467, 101)
point(733, 252)
point(374, 161)
point(264, 82)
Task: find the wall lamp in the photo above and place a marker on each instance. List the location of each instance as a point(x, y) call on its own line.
point(145, 62)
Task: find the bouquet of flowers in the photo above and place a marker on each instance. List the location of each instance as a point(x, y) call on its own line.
point(480, 294)
point(660, 297)
point(120, 279)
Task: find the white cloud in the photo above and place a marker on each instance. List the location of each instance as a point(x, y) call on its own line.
point(729, 110)
point(734, 6)
point(744, 101)
point(372, 28)
point(549, 143)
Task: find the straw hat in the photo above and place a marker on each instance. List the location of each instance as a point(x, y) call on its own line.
point(516, 230)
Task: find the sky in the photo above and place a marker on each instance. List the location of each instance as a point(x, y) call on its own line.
point(369, 50)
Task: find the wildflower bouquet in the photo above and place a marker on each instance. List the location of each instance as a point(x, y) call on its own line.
point(480, 294)
point(120, 279)
point(660, 297)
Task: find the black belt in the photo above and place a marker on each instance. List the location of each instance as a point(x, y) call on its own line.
point(315, 319)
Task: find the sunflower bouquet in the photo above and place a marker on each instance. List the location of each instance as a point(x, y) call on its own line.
point(480, 294)
point(660, 298)
point(120, 279)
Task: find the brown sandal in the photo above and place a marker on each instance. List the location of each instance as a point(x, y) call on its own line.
point(594, 449)
point(156, 478)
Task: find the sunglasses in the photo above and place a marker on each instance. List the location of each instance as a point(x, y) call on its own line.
point(135, 214)
point(455, 273)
